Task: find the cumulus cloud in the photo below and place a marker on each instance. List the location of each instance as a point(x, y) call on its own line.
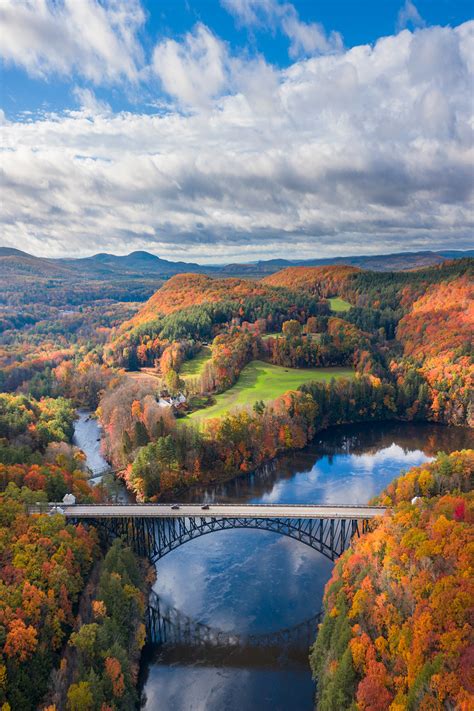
point(193, 71)
point(97, 40)
point(306, 38)
point(201, 69)
point(89, 103)
point(409, 16)
point(361, 151)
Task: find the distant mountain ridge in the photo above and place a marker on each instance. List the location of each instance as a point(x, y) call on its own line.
point(139, 264)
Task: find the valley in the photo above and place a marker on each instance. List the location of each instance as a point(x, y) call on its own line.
point(313, 384)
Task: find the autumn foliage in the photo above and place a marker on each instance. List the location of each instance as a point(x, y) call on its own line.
point(322, 281)
point(106, 650)
point(397, 632)
point(185, 290)
point(437, 336)
point(43, 567)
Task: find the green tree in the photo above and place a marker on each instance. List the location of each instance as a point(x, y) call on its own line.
point(173, 381)
point(80, 697)
point(85, 640)
point(127, 445)
point(140, 434)
point(291, 329)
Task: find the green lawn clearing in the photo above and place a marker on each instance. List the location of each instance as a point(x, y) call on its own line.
point(194, 367)
point(339, 305)
point(263, 381)
point(266, 336)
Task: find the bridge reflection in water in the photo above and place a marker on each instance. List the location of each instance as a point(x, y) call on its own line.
point(176, 634)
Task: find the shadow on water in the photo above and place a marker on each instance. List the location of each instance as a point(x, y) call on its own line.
point(177, 640)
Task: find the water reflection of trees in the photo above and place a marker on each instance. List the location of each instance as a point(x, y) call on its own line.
point(356, 440)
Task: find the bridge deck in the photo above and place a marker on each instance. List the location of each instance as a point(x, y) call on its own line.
point(329, 511)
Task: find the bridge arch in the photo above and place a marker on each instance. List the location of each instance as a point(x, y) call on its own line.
point(156, 537)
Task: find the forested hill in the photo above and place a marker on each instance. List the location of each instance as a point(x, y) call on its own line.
point(16, 263)
point(419, 322)
point(397, 631)
point(196, 307)
point(184, 290)
point(429, 313)
point(366, 287)
point(321, 281)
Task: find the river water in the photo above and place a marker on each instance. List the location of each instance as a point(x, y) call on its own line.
point(254, 582)
point(87, 436)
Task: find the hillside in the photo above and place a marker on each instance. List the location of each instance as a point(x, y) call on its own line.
point(397, 631)
point(138, 264)
point(437, 334)
point(378, 263)
point(184, 290)
point(196, 307)
point(322, 281)
point(14, 263)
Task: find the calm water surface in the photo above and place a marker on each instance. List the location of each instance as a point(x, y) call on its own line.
point(254, 581)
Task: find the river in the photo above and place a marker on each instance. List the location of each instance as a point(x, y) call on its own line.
point(254, 582)
point(87, 436)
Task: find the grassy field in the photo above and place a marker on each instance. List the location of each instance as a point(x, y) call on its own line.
point(263, 381)
point(339, 305)
point(193, 368)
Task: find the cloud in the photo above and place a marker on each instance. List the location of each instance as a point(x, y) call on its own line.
point(306, 39)
point(193, 71)
point(200, 69)
point(362, 151)
point(89, 103)
point(409, 16)
point(97, 40)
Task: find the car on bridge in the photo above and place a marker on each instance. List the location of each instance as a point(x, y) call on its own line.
point(205, 507)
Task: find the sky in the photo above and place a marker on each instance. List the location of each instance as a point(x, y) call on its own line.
point(225, 130)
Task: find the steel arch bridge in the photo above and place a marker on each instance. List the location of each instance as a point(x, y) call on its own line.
point(154, 530)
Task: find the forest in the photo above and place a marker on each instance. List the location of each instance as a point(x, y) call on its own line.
point(397, 631)
point(403, 351)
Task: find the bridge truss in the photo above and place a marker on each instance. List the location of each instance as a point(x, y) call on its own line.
point(154, 538)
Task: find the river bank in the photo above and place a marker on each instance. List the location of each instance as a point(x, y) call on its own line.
point(438, 436)
point(101, 660)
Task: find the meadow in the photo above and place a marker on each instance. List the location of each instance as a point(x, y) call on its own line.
point(193, 368)
point(339, 305)
point(264, 381)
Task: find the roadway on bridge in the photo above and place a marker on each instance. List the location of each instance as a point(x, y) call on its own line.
point(222, 511)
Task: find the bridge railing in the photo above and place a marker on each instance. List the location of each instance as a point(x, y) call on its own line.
point(198, 504)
